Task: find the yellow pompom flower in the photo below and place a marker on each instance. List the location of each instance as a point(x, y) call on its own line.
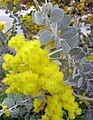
point(26, 18)
point(90, 19)
point(7, 58)
point(16, 2)
point(90, 57)
point(7, 1)
point(32, 72)
point(16, 42)
point(6, 111)
point(2, 26)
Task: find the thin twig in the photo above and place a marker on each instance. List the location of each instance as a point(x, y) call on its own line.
point(84, 98)
point(55, 52)
point(37, 4)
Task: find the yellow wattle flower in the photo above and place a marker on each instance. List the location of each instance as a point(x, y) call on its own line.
point(16, 2)
point(2, 26)
point(6, 111)
point(90, 19)
point(90, 57)
point(32, 72)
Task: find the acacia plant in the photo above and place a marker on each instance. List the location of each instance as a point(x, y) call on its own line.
point(51, 67)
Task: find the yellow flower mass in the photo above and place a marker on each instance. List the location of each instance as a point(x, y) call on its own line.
point(2, 26)
point(15, 2)
point(32, 72)
point(6, 111)
point(90, 57)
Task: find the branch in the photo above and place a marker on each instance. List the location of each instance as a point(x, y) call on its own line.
point(15, 106)
point(56, 51)
point(84, 98)
point(37, 4)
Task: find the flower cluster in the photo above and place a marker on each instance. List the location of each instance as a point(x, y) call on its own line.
point(29, 26)
point(2, 26)
point(90, 19)
point(6, 110)
point(32, 72)
point(15, 2)
point(90, 57)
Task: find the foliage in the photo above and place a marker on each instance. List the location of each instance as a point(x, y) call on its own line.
point(65, 38)
point(2, 26)
point(32, 68)
point(29, 28)
point(69, 42)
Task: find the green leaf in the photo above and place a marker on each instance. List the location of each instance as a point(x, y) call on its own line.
point(89, 76)
point(64, 63)
point(2, 96)
point(70, 81)
point(10, 6)
point(56, 15)
point(87, 67)
point(75, 51)
point(80, 56)
point(75, 72)
point(27, 116)
point(14, 112)
point(55, 6)
point(22, 110)
point(32, 118)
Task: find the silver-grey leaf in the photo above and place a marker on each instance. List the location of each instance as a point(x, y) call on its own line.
point(45, 36)
point(64, 23)
point(64, 45)
point(38, 17)
point(9, 102)
point(29, 105)
point(80, 81)
point(80, 56)
point(71, 35)
point(74, 51)
point(55, 54)
point(10, 96)
point(69, 32)
point(18, 97)
point(46, 8)
point(56, 15)
point(55, 6)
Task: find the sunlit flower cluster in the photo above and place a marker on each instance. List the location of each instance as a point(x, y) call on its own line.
point(31, 28)
point(32, 72)
point(90, 19)
point(90, 57)
point(15, 2)
point(6, 110)
point(2, 26)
